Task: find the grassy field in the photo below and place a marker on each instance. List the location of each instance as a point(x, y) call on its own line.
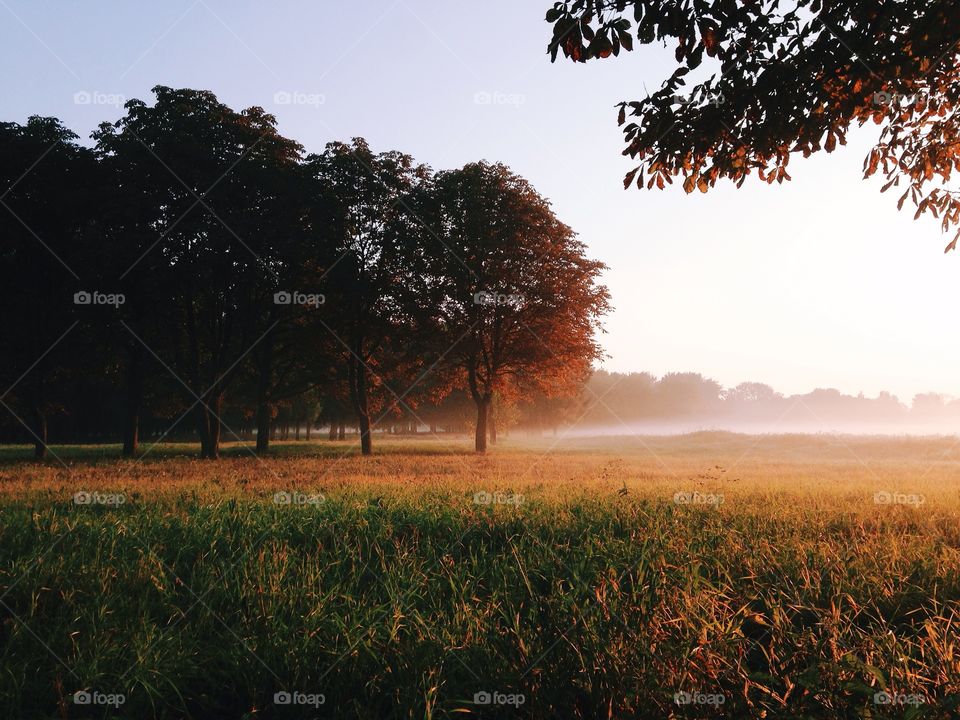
point(708, 575)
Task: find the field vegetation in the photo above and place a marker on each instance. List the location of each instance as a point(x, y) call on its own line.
point(709, 575)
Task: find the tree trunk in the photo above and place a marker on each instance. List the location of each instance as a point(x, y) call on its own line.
point(492, 425)
point(483, 408)
point(209, 426)
point(482, 395)
point(342, 431)
point(366, 442)
point(203, 429)
point(264, 373)
point(333, 430)
point(361, 401)
point(263, 425)
point(131, 418)
point(40, 431)
point(216, 428)
point(296, 431)
point(309, 427)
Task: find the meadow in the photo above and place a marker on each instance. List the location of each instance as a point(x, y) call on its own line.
point(704, 575)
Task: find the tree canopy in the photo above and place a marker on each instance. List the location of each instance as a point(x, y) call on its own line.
point(517, 298)
point(218, 273)
point(775, 78)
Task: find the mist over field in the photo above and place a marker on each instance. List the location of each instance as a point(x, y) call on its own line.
point(736, 425)
point(679, 403)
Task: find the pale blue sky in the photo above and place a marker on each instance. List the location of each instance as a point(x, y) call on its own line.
point(816, 283)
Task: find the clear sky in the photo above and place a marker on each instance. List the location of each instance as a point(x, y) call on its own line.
point(816, 283)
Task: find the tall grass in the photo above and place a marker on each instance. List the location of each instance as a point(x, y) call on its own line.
point(395, 595)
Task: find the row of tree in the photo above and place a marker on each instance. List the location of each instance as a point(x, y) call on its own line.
point(636, 399)
point(196, 268)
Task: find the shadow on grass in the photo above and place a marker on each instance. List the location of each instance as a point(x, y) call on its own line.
point(93, 454)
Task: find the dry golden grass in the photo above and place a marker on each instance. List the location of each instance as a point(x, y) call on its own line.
point(793, 473)
point(398, 596)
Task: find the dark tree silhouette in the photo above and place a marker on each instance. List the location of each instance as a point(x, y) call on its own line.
point(368, 277)
point(46, 198)
point(207, 169)
point(288, 360)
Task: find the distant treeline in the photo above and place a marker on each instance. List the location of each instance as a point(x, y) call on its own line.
point(608, 402)
point(195, 274)
point(613, 400)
